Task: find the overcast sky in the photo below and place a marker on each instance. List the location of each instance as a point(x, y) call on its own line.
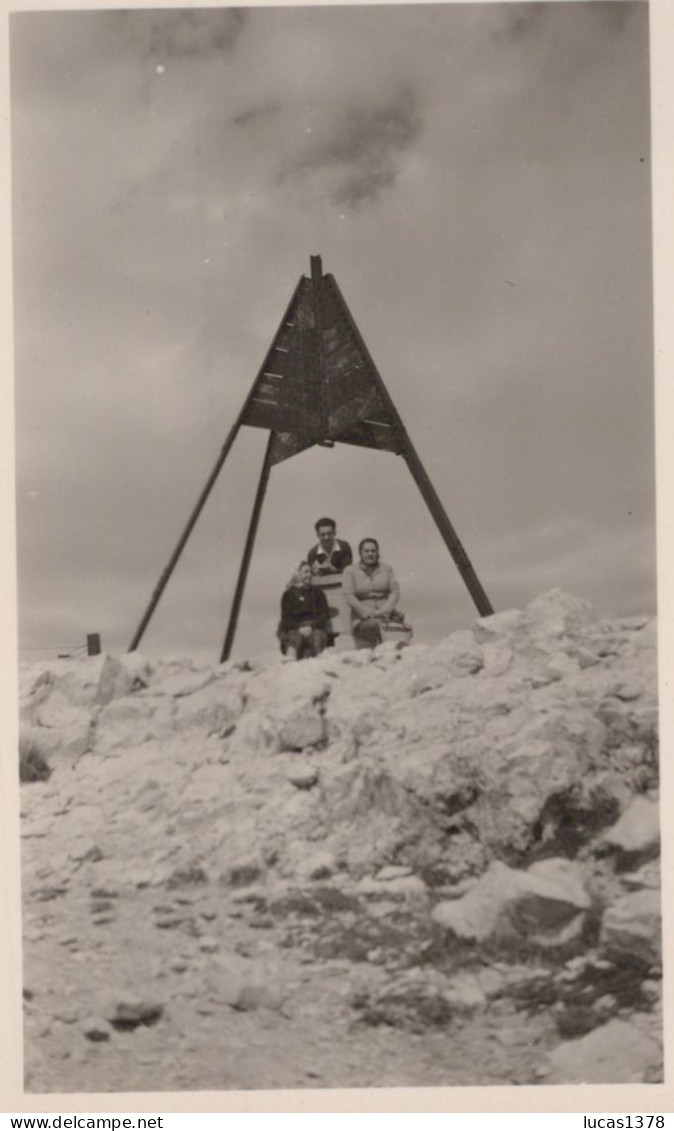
point(476, 177)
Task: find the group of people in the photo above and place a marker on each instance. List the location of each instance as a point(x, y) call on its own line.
point(369, 589)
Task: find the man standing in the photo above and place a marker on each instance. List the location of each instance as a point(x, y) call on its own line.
point(331, 555)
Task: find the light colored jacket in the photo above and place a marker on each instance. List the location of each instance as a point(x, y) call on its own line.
point(370, 591)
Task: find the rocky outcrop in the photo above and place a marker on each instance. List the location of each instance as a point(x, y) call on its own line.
point(471, 826)
point(542, 906)
point(617, 1053)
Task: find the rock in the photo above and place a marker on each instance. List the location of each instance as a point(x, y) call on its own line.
point(77, 679)
point(427, 680)
point(559, 666)
point(413, 1001)
point(464, 993)
point(59, 729)
point(214, 705)
point(318, 866)
point(243, 985)
point(122, 722)
point(183, 684)
point(146, 877)
point(261, 922)
point(67, 1017)
point(498, 658)
point(95, 1030)
point(121, 676)
point(585, 657)
point(224, 980)
point(627, 691)
point(251, 894)
point(543, 906)
point(533, 760)
point(575, 1020)
point(285, 708)
point(38, 690)
point(460, 654)
point(187, 876)
point(491, 982)
point(256, 995)
point(128, 1013)
point(548, 642)
point(370, 812)
point(393, 872)
point(648, 876)
point(638, 829)
point(304, 729)
point(57, 711)
point(98, 906)
point(606, 1005)
point(498, 626)
point(33, 757)
point(556, 614)
point(243, 872)
point(168, 922)
point(615, 1053)
point(632, 926)
point(651, 990)
point(303, 777)
point(400, 886)
point(633, 624)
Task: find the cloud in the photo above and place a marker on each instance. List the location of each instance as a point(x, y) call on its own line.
point(184, 33)
point(525, 21)
point(613, 16)
point(521, 20)
point(256, 113)
point(363, 149)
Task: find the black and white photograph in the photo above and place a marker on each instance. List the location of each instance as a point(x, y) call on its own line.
point(334, 419)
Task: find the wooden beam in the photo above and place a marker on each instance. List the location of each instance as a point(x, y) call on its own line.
point(247, 552)
point(449, 535)
point(317, 377)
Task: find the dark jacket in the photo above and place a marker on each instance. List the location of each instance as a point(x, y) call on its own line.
point(304, 606)
point(339, 559)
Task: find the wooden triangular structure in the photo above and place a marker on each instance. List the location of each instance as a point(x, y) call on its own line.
point(318, 385)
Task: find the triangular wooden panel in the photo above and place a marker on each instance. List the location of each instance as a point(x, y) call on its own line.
point(356, 411)
point(285, 398)
point(317, 382)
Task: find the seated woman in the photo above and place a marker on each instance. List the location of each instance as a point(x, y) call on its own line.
point(305, 616)
point(371, 592)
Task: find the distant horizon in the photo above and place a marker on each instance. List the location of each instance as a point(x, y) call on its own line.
point(211, 655)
